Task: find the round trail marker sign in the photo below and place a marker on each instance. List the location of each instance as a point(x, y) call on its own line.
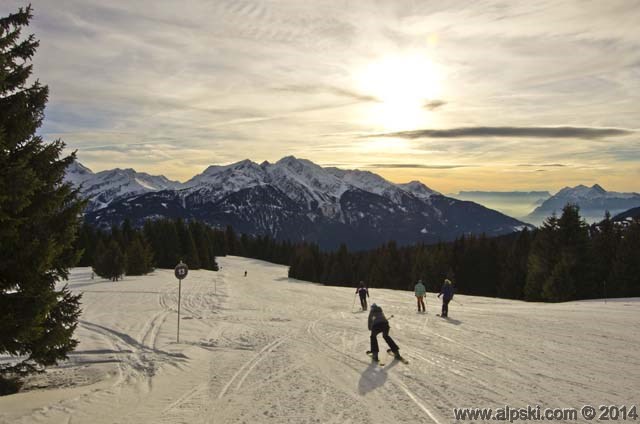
point(181, 271)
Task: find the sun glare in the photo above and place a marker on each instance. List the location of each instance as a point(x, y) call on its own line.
point(403, 85)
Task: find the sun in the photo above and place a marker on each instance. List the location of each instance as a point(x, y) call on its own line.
point(402, 84)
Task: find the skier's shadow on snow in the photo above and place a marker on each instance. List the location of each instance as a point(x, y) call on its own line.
point(452, 321)
point(373, 376)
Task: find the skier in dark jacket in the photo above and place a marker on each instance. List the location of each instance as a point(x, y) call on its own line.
point(378, 323)
point(363, 293)
point(447, 294)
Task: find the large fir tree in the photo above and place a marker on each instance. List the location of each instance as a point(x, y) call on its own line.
point(110, 261)
point(38, 217)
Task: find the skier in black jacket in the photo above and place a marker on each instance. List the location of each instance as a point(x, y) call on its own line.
point(363, 293)
point(378, 323)
point(447, 294)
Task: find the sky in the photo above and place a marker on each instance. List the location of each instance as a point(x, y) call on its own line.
point(461, 95)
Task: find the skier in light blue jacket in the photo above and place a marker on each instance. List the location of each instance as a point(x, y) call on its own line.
point(420, 291)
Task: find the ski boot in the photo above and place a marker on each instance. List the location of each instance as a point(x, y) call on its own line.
point(397, 356)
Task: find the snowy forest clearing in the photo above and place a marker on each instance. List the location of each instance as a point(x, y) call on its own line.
point(265, 348)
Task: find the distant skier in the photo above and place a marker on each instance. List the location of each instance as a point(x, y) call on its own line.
point(363, 292)
point(447, 294)
point(245, 273)
point(378, 323)
point(420, 291)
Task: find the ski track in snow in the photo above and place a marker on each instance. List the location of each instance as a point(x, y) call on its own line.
point(269, 349)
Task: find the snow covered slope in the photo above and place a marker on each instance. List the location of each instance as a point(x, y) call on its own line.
point(418, 189)
point(593, 202)
point(269, 349)
point(77, 174)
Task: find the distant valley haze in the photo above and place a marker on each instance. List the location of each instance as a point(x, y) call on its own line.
point(475, 96)
point(518, 204)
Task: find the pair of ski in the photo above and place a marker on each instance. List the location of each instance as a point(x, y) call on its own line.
point(381, 363)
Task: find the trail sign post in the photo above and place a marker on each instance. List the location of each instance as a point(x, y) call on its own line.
point(181, 272)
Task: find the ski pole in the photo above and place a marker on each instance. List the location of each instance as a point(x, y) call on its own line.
point(354, 302)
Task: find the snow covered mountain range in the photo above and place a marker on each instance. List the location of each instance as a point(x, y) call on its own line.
point(291, 199)
point(593, 202)
point(103, 187)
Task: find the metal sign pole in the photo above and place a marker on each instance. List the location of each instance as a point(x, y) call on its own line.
point(179, 292)
point(181, 272)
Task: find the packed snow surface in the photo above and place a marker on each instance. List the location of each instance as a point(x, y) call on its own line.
point(265, 348)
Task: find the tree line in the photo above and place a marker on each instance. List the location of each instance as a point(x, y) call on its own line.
point(125, 250)
point(565, 259)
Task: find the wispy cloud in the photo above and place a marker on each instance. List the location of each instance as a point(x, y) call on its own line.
point(337, 91)
point(520, 132)
point(414, 166)
point(434, 104)
point(549, 165)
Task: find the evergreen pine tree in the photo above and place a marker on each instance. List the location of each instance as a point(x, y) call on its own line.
point(420, 266)
point(165, 242)
point(604, 247)
point(110, 261)
point(139, 257)
point(574, 248)
point(189, 252)
point(38, 218)
point(513, 271)
point(339, 271)
point(561, 284)
point(544, 254)
point(558, 262)
point(625, 274)
point(117, 235)
point(127, 231)
point(86, 243)
point(440, 267)
point(201, 241)
point(99, 258)
point(230, 241)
